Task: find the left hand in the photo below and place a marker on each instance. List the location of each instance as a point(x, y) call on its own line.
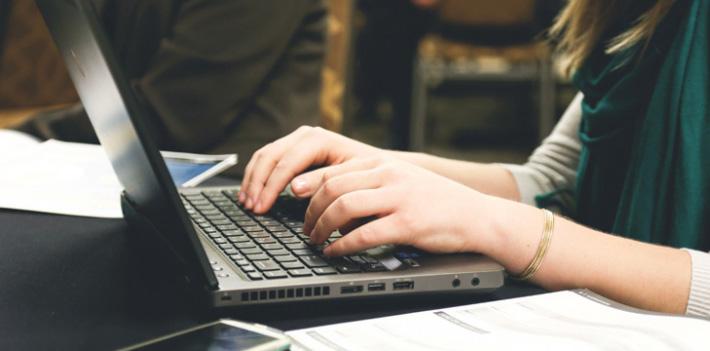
point(410, 206)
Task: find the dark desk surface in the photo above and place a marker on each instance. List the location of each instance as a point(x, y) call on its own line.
point(73, 283)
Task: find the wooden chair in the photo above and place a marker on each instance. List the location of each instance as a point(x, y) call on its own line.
point(337, 68)
point(441, 59)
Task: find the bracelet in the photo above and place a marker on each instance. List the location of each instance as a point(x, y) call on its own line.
point(542, 248)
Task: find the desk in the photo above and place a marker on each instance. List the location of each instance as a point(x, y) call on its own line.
point(73, 283)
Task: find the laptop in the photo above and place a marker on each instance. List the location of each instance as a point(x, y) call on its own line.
point(234, 256)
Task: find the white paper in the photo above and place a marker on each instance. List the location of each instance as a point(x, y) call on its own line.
point(68, 178)
point(61, 178)
point(554, 321)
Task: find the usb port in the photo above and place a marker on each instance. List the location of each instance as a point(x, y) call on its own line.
point(376, 287)
point(405, 285)
point(351, 289)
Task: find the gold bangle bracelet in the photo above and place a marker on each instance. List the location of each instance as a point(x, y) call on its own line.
point(542, 248)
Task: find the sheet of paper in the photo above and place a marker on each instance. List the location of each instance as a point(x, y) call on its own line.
point(556, 321)
point(77, 179)
point(62, 178)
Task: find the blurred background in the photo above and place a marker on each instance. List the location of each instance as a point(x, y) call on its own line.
point(468, 79)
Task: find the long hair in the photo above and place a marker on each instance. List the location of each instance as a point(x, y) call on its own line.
point(582, 23)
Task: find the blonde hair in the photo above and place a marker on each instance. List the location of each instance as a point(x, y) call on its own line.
point(582, 23)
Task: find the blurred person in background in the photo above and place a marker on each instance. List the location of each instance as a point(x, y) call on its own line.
point(628, 157)
point(215, 76)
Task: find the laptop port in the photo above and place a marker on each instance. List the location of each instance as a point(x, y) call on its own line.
point(404, 285)
point(351, 289)
point(376, 287)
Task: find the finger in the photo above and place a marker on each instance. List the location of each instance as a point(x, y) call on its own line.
point(308, 152)
point(350, 206)
point(264, 161)
point(378, 232)
point(277, 148)
point(307, 184)
point(334, 188)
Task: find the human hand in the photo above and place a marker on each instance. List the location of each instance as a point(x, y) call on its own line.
point(273, 166)
point(410, 206)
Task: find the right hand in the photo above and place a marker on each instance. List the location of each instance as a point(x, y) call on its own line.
point(273, 166)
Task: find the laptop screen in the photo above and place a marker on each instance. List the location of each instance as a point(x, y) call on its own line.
point(118, 121)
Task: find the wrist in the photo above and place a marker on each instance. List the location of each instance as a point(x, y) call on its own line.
point(515, 233)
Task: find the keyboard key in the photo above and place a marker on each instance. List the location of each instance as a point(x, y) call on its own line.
point(286, 258)
point(231, 251)
point(303, 252)
point(275, 228)
point(252, 251)
point(259, 234)
point(303, 272)
point(242, 262)
point(245, 245)
point(220, 240)
point(283, 235)
point(248, 268)
point(262, 241)
point(278, 252)
point(233, 232)
point(292, 265)
point(324, 270)
point(267, 265)
point(246, 221)
point(348, 269)
point(314, 261)
point(275, 274)
point(236, 257)
point(297, 246)
point(226, 246)
point(239, 239)
point(291, 240)
point(227, 227)
point(221, 221)
point(258, 257)
point(252, 228)
point(255, 276)
point(271, 246)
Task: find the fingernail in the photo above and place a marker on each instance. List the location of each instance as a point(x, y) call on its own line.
point(299, 185)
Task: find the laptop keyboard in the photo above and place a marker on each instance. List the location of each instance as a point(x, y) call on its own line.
point(271, 246)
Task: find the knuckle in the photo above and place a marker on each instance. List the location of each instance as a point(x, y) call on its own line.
point(343, 204)
point(330, 189)
point(366, 236)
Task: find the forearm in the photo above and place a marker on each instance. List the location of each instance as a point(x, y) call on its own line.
point(490, 179)
point(639, 274)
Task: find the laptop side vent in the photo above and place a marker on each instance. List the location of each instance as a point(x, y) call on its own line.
point(284, 294)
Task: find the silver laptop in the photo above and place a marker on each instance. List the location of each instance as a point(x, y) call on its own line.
point(236, 257)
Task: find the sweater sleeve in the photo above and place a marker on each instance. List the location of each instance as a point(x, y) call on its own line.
point(553, 165)
point(699, 299)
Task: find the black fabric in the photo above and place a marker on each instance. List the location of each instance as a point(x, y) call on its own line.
point(216, 76)
point(5, 8)
point(72, 283)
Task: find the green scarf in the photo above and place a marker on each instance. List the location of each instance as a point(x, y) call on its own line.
point(644, 169)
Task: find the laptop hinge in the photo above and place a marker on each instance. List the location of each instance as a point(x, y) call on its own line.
point(148, 238)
